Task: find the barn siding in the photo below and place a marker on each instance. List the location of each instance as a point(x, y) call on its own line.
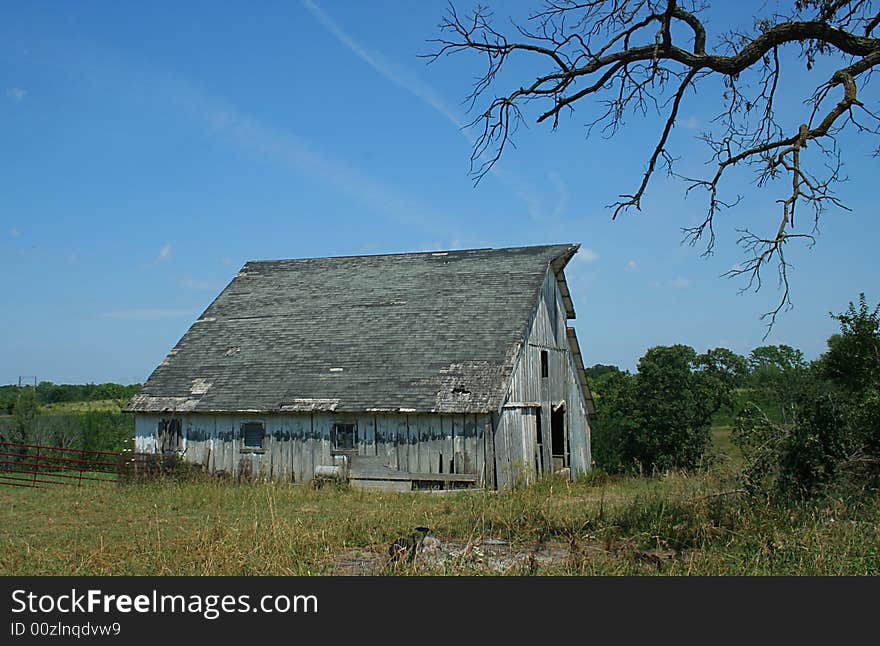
point(295, 444)
point(518, 458)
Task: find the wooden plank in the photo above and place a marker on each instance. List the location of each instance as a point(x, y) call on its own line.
point(297, 439)
point(375, 436)
point(470, 445)
point(457, 444)
point(501, 450)
point(448, 444)
point(422, 446)
point(384, 439)
point(480, 449)
point(326, 421)
point(431, 427)
point(381, 485)
point(489, 447)
point(367, 434)
point(401, 443)
point(412, 442)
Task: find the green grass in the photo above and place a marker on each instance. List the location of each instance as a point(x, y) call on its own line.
point(612, 525)
point(681, 523)
point(71, 408)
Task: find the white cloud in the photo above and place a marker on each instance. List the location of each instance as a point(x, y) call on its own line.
point(690, 123)
point(632, 265)
point(17, 94)
point(399, 76)
point(148, 314)
point(680, 282)
point(14, 232)
point(164, 254)
point(390, 71)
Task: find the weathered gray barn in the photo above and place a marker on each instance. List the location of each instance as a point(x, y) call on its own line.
point(402, 371)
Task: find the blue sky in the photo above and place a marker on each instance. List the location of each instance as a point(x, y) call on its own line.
point(150, 149)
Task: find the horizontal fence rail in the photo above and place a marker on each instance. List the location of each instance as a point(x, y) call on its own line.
point(37, 465)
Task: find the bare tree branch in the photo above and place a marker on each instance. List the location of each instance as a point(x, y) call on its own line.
point(644, 56)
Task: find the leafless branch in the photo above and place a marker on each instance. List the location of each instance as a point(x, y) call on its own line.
point(645, 57)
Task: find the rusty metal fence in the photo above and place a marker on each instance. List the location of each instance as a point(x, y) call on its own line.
point(36, 466)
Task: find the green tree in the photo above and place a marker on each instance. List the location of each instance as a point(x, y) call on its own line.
point(599, 370)
point(853, 357)
point(832, 425)
point(774, 360)
point(660, 417)
point(24, 415)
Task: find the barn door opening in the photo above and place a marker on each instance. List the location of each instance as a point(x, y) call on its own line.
point(557, 437)
point(539, 452)
point(169, 435)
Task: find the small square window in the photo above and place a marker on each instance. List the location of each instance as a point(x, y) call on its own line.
point(344, 437)
point(545, 364)
point(252, 433)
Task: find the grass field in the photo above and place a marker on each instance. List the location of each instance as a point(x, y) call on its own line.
point(70, 408)
point(677, 524)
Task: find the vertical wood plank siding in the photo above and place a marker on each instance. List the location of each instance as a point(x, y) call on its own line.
point(295, 444)
point(516, 451)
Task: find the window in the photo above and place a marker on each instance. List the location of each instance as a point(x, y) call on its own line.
point(252, 434)
point(344, 437)
point(545, 364)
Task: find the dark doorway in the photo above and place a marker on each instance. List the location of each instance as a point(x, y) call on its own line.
point(169, 435)
point(557, 434)
point(539, 452)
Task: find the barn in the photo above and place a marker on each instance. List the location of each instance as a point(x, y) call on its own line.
point(444, 369)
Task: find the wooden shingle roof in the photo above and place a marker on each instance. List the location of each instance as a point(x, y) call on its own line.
point(421, 332)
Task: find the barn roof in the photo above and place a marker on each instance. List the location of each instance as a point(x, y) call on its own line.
point(420, 332)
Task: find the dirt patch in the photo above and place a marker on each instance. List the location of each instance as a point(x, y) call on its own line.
point(478, 556)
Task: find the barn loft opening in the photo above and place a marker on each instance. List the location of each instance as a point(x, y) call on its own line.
point(545, 364)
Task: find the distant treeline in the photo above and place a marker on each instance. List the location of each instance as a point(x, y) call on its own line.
point(50, 393)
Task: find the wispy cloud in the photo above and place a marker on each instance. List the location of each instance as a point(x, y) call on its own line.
point(690, 123)
point(276, 145)
point(406, 80)
point(680, 282)
point(164, 254)
point(14, 232)
point(17, 94)
point(149, 314)
point(289, 150)
point(386, 68)
point(632, 265)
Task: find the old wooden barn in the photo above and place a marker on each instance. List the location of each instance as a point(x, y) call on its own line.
point(421, 370)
